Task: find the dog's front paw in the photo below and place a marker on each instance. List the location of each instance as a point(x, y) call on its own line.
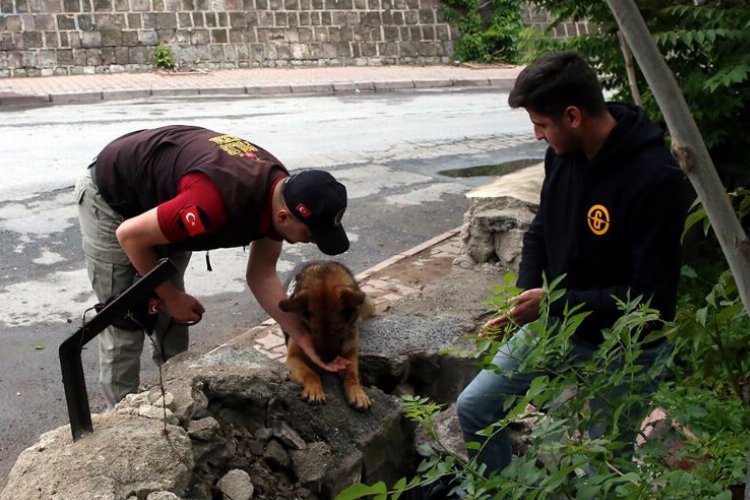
point(358, 398)
point(313, 393)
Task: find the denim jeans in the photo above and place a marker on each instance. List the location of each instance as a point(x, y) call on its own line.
point(481, 403)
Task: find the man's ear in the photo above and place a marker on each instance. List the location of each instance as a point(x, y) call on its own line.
point(574, 116)
point(281, 216)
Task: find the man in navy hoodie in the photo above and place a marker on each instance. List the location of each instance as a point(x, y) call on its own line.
point(610, 219)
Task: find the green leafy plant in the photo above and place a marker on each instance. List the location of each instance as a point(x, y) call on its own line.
point(163, 57)
point(706, 45)
point(717, 335)
point(489, 31)
point(565, 459)
point(719, 425)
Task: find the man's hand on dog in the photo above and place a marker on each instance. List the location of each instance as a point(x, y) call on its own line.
point(525, 309)
point(337, 365)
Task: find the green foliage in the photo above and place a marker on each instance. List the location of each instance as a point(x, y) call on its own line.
point(740, 199)
point(488, 32)
point(565, 459)
point(716, 335)
point(533, 42)
point(718, 447)
point(707, 47)
point(163, 57)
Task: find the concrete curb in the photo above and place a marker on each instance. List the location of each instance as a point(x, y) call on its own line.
point(408, 253)
point(11, 99)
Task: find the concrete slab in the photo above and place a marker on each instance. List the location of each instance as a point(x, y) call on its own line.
point(268, 89)
point(524, 184)
point(354, 87)
point(433, 83)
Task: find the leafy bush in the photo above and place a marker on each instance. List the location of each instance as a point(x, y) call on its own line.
point(720, 426)
point(706, 45)
point(488, 32)
point(715, 339)
point(565, 459)
point(163, 57)
point(717, 335)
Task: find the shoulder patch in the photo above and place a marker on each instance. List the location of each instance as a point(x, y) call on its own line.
point(191, 219)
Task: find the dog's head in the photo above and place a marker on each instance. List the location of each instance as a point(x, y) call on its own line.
point(329, 315)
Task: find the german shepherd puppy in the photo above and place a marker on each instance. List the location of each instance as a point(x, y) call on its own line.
point(330, 306)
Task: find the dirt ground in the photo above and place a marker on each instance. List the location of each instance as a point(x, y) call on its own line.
point(429, 283)
point(460, 292)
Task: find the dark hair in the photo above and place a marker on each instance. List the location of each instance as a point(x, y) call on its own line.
point(555, 81)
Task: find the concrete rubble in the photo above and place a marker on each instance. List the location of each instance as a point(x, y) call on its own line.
point(498, 216)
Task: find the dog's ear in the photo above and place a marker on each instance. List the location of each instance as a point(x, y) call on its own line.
point(351, 297)
point(295, 303)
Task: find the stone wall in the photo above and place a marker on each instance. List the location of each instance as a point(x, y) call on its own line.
point(59, 37)
point(540, 20)
point(62, 37)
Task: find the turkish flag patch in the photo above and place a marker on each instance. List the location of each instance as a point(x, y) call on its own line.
point(191, 219)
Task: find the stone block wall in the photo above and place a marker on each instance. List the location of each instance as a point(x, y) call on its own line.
point(59, 37)
point(540, 20)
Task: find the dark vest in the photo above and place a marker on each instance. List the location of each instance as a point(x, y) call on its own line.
point(141, 170)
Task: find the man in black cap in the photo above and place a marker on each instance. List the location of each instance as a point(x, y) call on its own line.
point(168, 191)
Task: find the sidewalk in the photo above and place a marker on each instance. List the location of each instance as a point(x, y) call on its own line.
point(79, 89)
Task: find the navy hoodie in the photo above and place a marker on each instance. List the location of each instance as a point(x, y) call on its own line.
point(611, 224)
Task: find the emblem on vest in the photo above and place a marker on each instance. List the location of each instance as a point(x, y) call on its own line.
point(598, 219)
point(234, 146)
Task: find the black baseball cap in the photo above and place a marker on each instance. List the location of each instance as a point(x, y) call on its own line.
point(319, 201)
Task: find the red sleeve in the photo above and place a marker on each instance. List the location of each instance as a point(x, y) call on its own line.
point(197, 209)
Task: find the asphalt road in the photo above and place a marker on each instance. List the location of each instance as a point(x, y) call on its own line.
point(388, 150)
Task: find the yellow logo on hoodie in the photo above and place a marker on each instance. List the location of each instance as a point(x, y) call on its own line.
point(598, 219)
